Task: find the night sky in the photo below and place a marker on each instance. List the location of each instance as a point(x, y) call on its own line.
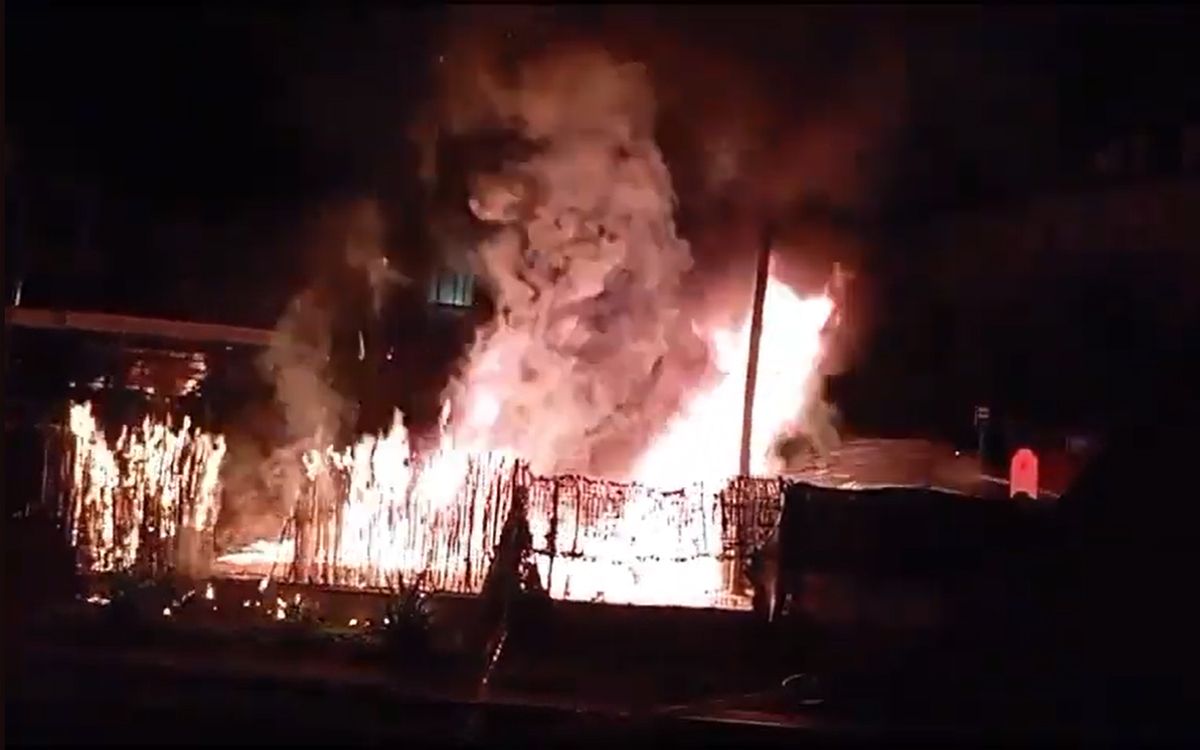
point(199, 140)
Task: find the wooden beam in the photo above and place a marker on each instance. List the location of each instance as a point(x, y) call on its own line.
point(127, 325)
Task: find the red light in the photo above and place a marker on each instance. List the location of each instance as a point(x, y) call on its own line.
point(1023, 476)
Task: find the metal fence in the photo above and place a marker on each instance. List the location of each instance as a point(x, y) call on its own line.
point(149, 502)
point(584, 532)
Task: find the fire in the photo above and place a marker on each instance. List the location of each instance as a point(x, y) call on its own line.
point(703, 442)
point(378, 512)
point(645, 546)
point(128, 501)
point(588, 271)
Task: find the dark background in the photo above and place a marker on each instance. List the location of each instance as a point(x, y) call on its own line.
point(171, 160)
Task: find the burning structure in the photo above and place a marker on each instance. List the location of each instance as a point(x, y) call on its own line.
point(380, 512)
point(377, 516)
point(596, 393)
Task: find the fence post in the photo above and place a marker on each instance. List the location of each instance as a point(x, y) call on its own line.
point(552, 537)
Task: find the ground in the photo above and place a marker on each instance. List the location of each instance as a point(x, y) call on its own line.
point(202, 677)
point(218, 671)
point(226, 671)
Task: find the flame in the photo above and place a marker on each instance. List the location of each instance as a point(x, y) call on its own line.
point(704, 440)
point(128, 500)
point(378, 512)
point(647, 548)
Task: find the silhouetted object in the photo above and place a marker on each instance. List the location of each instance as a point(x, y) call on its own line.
point(993, 440)
point(762, 570)
point(406, 624)
point(982, 421)
point(1131, 538)
point(134, 326)
point(511, 574)
point(777, 568)
point(760, 293)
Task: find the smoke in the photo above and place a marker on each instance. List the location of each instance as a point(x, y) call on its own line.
point(583, 261)
point(597, 297)
point(814, 164)
point(297, 362)
point(265, 471)
point(365, 251)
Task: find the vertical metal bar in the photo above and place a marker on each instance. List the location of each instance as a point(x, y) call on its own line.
point(552, 539)
point(472, 500)
point(760, 293)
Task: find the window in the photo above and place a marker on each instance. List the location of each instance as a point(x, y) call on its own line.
point(452, 289)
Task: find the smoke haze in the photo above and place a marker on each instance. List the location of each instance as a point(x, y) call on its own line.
point(583, 261)
point(596, 292)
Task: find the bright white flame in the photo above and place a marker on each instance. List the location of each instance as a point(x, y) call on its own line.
point(402, 513)
point(152, 483)
point(704, 441)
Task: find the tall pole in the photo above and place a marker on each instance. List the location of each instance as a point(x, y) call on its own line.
point(760, 293)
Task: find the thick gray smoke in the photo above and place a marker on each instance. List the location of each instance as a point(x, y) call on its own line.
point(585, 266)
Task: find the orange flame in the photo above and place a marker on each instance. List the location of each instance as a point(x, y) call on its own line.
point(378, 512)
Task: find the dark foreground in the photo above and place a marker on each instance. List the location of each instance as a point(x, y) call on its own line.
point(59, 700)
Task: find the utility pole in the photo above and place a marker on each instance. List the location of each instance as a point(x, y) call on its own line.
point(760, 293)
